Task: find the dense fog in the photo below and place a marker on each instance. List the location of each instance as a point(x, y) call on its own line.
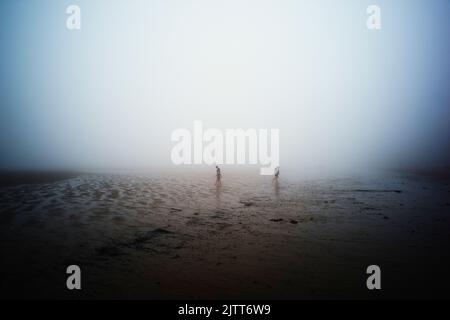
point(111, 94)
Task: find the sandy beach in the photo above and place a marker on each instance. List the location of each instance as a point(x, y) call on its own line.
point(174, 235)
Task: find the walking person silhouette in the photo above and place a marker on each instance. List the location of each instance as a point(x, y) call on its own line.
point(218, 177)
point(276, 174)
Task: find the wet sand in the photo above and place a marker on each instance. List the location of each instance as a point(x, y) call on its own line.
point(175, 236)
point(16, 178)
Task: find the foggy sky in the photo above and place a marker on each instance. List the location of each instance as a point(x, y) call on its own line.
point(112, 93)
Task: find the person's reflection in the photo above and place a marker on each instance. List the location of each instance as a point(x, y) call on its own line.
point(218, 192)
point(276, 187)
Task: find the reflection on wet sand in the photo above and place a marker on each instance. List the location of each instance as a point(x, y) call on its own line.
point(178, 236)
point(218, 191)
point(276, 187)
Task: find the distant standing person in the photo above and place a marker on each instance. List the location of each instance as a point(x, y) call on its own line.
point(218, 177)
point(277, 174)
